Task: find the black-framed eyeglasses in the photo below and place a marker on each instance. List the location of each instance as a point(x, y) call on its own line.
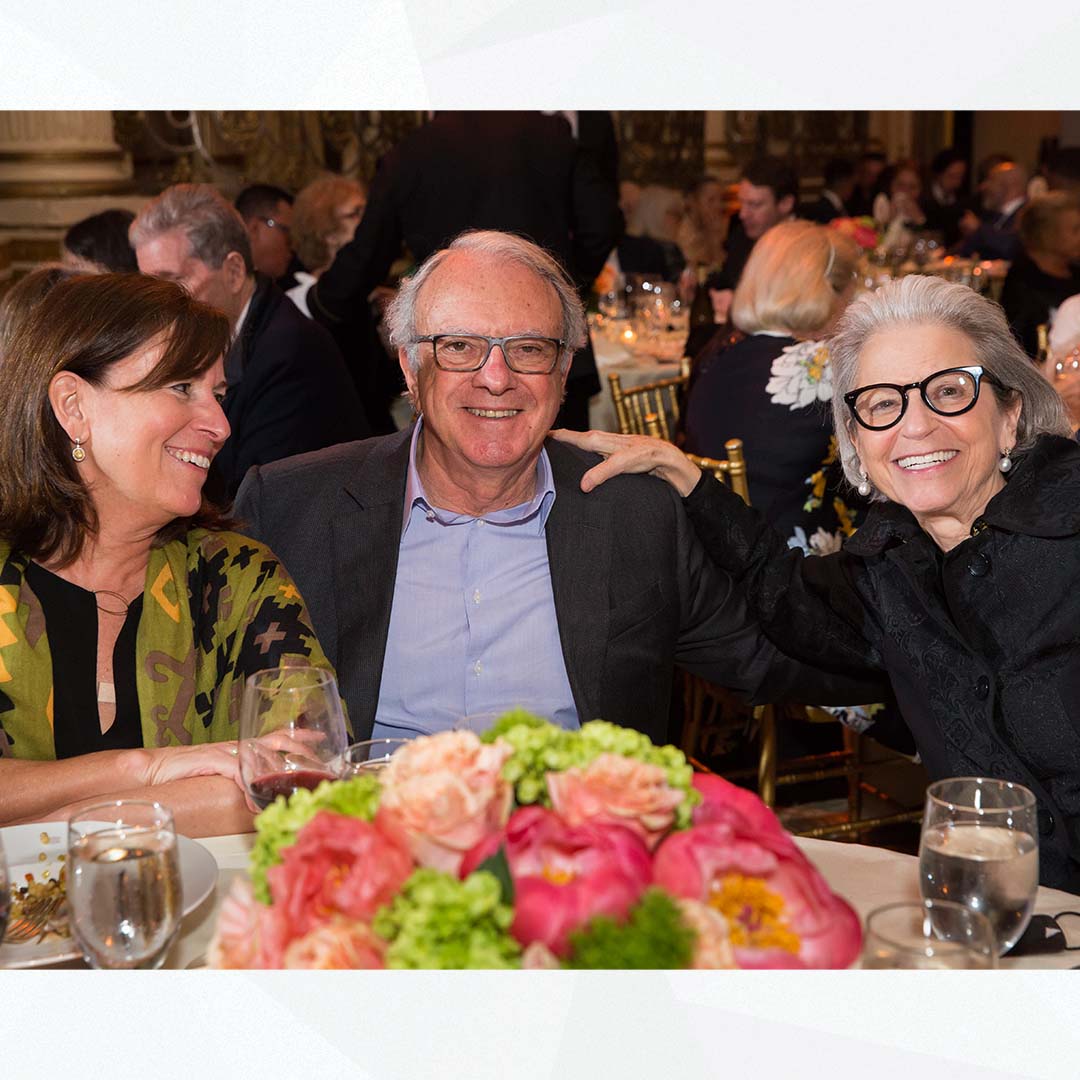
point(948, 393)
point(524, 353)
point(273, 223)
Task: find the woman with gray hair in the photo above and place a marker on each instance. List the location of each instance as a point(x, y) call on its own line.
point(961, 583)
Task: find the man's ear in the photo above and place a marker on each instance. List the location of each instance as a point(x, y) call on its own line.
point(235, 270)
point(785, 205)
point(64, 396)
point(410, 378)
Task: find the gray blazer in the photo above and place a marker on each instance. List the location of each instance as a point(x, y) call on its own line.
point(634, 591)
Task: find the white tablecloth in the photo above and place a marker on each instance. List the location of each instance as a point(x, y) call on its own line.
point(633, 370)
point(866, 877)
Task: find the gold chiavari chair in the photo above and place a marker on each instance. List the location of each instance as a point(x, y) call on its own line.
point(662, 399)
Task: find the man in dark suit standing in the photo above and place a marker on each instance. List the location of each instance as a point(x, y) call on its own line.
point(465, 571)
point(518, 172)
point(288, 391)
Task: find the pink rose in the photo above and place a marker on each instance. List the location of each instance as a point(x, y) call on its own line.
point(713, 946)
point(564, 875)
point(443, 794)
point(248, 934)
point(337, 865)
point(340, 944)
point(779, 910)
point(616, 790)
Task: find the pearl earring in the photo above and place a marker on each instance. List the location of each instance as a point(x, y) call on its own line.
point(864, 488)
point(77, 452)
point(1005, 464)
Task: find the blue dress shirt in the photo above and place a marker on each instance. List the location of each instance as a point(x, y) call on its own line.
point(473, 630)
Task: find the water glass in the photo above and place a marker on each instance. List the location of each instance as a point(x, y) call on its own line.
point(369, 756)
point(980, 847)
point(292, 732)
point(123, 883)
point(928, 934)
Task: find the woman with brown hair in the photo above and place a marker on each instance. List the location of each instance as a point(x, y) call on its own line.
point(129, 614)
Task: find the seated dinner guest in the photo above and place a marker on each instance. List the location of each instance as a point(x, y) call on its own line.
point(456, 568)
point(129, 614)
point(960, 584)
point(99, 244)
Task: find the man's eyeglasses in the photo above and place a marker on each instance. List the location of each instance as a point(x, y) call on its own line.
point(273, 223)
point(948, 393)
point(524, 354)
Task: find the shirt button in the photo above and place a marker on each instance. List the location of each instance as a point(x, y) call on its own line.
point(982, 688)
point(430, 515)
point(477, 667)
point(476, 596)
point(979, 565)
point(479, 522)
point(1046, 822)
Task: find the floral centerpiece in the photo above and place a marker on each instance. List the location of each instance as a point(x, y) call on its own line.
point(530, 847)
point(863, 230)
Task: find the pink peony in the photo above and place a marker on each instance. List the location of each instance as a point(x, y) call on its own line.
point(564, 875)
point(779, 910)
point(337, 865)
point(720, 799)
point(443, 795)
point(340, 944)
point(248, 934)
point(616, 790)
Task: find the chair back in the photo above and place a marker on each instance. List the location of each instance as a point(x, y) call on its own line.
point(662, 399)
point(730, 470)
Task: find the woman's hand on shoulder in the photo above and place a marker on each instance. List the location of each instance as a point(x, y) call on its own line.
point(632, 454)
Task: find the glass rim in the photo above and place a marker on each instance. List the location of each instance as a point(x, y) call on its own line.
point(1026, 797)
point(387, 741)
point(929, 904)
point(323, 677)
point(99, 814)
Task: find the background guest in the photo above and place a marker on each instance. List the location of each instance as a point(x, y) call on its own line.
point(267, 212)
point(99, 244)
point(943, 204)
point(839, 176)
point(1003, 196)
point(1043, 274)
point(868, 169)
point(896, 205)
point(289, 391)
point(701, 233)
point(649, 246)
point(129, 614)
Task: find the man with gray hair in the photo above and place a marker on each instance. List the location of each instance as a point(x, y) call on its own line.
point(289, 390)
point(457, 569)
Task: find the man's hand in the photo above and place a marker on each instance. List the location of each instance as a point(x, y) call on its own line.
point(633, 454)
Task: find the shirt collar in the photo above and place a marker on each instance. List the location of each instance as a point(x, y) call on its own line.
point(534, 512)
point(1011, 207)
point(832, 197)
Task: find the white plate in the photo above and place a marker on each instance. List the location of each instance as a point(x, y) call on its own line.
point(23, 846)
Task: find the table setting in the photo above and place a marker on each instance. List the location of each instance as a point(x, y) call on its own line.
point(509, 842)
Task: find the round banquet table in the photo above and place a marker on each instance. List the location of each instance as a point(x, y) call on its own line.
point(866, 877)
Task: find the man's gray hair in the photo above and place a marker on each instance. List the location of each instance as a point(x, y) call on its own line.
point(212, 226)
point(916, 301)
point(401, 314)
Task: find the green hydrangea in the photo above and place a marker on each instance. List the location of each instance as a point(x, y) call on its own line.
point(541, 747)
point(276, 827)
point(652, 936)
point(439, 922)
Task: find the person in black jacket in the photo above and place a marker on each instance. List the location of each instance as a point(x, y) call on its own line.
point(513, 171)
point(288, 388)
point(961, 583)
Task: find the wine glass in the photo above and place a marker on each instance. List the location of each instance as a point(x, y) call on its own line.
point(980, 847)
point(928, 934)
point(369, 756)
point(123, 883)
point(292, 732)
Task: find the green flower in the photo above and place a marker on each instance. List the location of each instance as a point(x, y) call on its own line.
point(653, 936)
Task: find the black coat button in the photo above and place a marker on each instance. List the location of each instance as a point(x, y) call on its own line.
point(982, 688)
point(1046, 822)
point(979, 565)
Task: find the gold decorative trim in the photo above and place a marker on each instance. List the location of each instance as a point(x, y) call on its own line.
point(33, 189)
point(61, 155)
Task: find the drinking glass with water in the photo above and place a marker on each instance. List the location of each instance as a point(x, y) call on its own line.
point(980, 847)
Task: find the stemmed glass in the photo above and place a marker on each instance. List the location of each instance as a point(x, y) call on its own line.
point(123, 883)
point(370, 756)
point(928, 934)
point(292, 732)
point(5, 892)
point(980, 847)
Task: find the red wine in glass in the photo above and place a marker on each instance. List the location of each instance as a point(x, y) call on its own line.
point(265, 789)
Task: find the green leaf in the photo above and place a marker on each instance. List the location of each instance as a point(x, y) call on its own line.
point(498, 866)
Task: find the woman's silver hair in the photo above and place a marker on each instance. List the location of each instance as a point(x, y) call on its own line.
point(921, 301)
point(401, 314)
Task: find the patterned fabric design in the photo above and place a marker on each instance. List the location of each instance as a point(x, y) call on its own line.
point(800, 375)
point(217, 607)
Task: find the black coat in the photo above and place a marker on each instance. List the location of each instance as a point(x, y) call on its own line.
point(1030, 296)
point(634, 592)
point(288, 391)
point(981, 644)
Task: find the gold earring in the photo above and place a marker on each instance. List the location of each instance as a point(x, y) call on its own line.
point(77, 452)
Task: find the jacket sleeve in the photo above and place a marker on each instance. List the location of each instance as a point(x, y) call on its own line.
point(810, 607)
point(596, 220)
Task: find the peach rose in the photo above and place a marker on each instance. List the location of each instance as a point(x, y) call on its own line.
point(248, 934)
point(443, 794)
point(616, 790)
point(538, 957)
point(713, 947)
point(340, 944)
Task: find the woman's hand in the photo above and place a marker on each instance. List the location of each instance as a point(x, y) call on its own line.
point(170, 763)
point(633, 454)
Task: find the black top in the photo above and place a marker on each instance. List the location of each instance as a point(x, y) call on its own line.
point(72, 623)
point(1028, 297)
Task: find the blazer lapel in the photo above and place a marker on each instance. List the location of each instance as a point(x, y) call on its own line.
point(366, 527)
point(579, 557)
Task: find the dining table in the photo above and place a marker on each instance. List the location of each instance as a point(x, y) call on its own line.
point(867, 877)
